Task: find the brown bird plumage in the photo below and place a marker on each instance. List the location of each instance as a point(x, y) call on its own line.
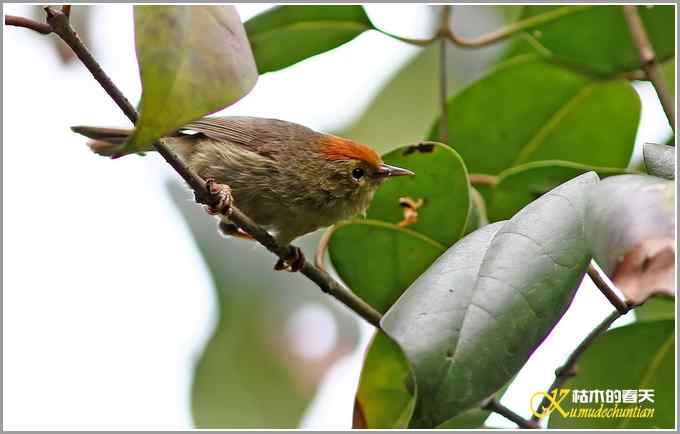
point(286, 177)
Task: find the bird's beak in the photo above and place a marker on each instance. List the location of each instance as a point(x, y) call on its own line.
point(385, 170)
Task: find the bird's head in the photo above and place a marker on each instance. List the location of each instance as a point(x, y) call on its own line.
point(354, 169)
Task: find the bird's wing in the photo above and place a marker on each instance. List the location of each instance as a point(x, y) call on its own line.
point(263, 136)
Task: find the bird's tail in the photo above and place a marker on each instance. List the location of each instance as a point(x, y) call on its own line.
point(108, 142)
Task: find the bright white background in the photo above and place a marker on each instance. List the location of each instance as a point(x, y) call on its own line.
point(101, 328)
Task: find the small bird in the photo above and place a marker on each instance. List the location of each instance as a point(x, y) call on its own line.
point(287, 178)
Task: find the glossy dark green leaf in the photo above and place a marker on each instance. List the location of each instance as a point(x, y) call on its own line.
point(471, 321)
point(193, 61)
point(519, 185)
point(387, 391)
point(597, 38)
point(634, 357)
point(656, 308)
point(511, 117)
point(440, 182)
point(660, 160)
point(630, 222)
point(473, 418)
point(470, 419)
point(285, 35)
point(378, 261)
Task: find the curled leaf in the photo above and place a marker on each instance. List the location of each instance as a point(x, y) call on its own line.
point(630, 224)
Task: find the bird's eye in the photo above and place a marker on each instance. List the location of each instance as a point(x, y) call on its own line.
point(357, 173)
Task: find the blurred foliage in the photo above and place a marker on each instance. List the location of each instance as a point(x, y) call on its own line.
point(637, 356)
point(249, 375)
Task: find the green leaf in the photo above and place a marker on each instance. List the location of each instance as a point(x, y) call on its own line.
point(387, 392)
point(630, 223)
point(379, 260)
point(638, 356)
point(239, 382)
point(471, 321)
point(285, 35)
point(441, 182)
point(669, 74)
point(471, 419)
point(660, 160)
point(510, 117)
point(597, 38)
point(656, 308)
point(519, 185)
point(193, 61)
point(478, 213)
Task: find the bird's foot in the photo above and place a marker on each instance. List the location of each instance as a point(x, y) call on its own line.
point(223, 192)
point(293, 265)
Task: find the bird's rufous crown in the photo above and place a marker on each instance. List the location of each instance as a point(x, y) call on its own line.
point(336, 148)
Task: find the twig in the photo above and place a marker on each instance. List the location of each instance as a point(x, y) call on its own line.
point(497, 35)
point(494, 406)
point(59, 24)
point(649, 61)
point(11, 20)
point(607, 290)
point(568, 369)
point(443, 30)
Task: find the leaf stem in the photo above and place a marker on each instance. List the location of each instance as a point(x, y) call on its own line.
point(607, 290)
point(58, 22)
point(497, 35)
point(483, 179)
point(649, 61)
point(494, 406)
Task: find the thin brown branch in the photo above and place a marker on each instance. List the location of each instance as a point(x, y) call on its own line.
point(11, 20)
point(443, 30)
point(568, 369)
point(60, 25)
point(649, 61)
point(500, 34)
point(494, 406)
point(607, 290)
